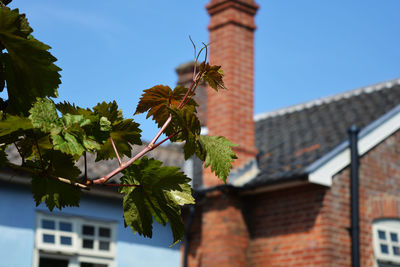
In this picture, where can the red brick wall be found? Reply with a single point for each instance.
(224, 235)
(230, 112)
(285, 227)
(308, 225)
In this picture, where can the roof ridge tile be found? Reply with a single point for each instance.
(324, 100)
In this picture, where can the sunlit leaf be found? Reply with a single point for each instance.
(156, 101)
(159, 194)
(29, 69)
(213, 75)
(216, 151)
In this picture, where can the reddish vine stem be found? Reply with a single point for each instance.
(123, 166)
(166, 139)
(116, 151)
(195, 62)
(160, 131)
(152, 145)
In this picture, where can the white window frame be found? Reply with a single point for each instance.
(388, 226)
(74, 253)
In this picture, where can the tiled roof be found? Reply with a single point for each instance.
(292, 138)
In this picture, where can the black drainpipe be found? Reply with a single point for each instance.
(354, 195)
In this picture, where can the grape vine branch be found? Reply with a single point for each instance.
(51, 137)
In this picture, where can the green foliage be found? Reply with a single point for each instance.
(24, 57)
(216, 151)
(213, 75)
(186, 121)
(54, 193)
(10, 124)
(124, 132)
(67, 133)
(44, 116)
(159, 193)
(51, 137)
(156, 101)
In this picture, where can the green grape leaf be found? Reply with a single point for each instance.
(159, 98)
(79, 120)
(105, 125)
(185, 121)
(216, 151)
(71, 134)
(54, 193)
(213, 75)
(11, 124)
(28, 58)
(67, 143)
(124, 133)
(44, 116)
(109, 110)
(68, 108)
(159, 193)
(63, 165)
(28, 146)
(100, 126)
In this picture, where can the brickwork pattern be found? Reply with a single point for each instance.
(309, 225)
(230, 112)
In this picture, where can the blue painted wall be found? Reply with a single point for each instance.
(17, 224)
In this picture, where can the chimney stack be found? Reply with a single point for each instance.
(230, 112)
(222, 238)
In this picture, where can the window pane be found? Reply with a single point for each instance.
(104, 232)
(381, 235)
(46, 262)
(48, 239)
(384, 249)
(48, 224)
(88, 230)
(393, 237)
(87, 243)
(396, 251)
(66, 240)
(88, 264)
(104, 245)
(66, 226)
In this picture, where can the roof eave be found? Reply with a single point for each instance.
(322, 170)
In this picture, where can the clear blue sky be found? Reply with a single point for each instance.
(304, 49)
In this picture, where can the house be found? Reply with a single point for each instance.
(88, 236)
(287, 202)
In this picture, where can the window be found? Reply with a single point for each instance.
(386, 237)
(74, 241)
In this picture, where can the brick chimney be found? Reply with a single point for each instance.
(230, 112)
(221, 237)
